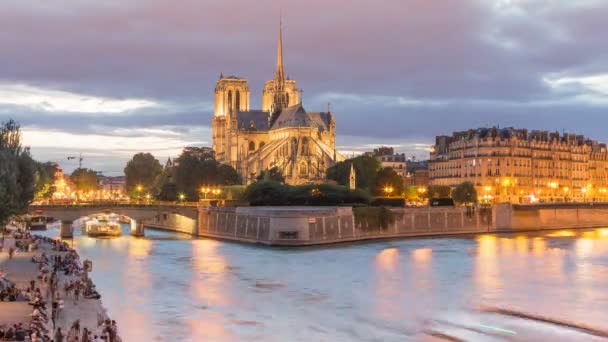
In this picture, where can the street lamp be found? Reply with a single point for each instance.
(584, 191)
(388, 190)
(182, 197)
(148, 198)
(205, 191)
(139, 188)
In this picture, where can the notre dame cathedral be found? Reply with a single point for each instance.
(282, 134)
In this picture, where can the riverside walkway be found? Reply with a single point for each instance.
(21, 269)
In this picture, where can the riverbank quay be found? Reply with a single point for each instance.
(51, 286)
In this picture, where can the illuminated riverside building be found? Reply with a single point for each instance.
(521, 166)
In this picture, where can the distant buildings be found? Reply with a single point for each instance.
(521, 166)
(417, 173)
(113, 187)
(388, 158)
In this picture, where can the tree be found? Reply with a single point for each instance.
(227, 175)
(196, 166)
(387, 177)
(274, 174)
(85, 180)
(365, 167)
(17, 173)
(439, 191)
(45, 178)
(412, 194)
(143, 169)
(465, 193)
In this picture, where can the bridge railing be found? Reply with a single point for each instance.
(121, 204)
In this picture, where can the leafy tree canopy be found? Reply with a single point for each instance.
(439, 191)
(84, 180)
(17, 173)
(387, 177)
(197, 167)
(45, 178)
(465, 193)
(365, 167)
(143, 169)
(274, 174)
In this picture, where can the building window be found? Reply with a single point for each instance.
(238, 101)
(251, 146)
(303, 170)
(230, 101)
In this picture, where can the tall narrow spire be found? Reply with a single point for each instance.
(280, 73)
(280, 98)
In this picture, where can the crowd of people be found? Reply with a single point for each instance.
(61, 270)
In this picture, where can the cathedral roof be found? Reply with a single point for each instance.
(296, 116)
(256, 119)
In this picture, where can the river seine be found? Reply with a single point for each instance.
(170, 287)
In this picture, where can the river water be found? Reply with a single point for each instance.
(170, 287)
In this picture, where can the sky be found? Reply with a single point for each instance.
(112, 78)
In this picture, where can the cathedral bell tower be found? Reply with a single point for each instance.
(231, 97)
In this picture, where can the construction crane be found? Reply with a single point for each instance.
(80, 158)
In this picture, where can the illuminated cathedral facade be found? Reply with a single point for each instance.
(282, 134)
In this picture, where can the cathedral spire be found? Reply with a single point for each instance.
(280, 72)
(280, 99)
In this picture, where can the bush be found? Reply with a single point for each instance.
(373, 218)
(269, 193)
(388, 202)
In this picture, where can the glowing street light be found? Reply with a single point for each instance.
(584, 191)
(388, 190)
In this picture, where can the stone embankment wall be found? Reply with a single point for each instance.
(551, 216)
(289, 226)
(293, 226)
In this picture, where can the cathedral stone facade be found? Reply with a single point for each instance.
(282, 134)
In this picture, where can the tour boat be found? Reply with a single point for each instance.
(37, 223)
(102, 228)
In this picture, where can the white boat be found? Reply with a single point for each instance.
(102, 227)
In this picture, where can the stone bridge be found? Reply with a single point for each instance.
(138, 213)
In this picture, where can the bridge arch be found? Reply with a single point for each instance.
(139, 214)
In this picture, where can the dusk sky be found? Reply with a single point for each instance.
(111, 78)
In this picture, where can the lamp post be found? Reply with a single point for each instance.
(181, 197)
(584, 191)
(388, 190)
(139, 188)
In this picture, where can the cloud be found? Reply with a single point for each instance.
(399, 72)
(57, 101)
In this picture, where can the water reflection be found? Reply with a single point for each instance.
(209, 290)
(167, 287)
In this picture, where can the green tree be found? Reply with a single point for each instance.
(227, 175)
(387, 177)
(365, 167)
(412, 194)
(465, 193)
(143, 169)
(84, 180)
(17, 173)
(45, 178)
(439, 191)
(196, 167)
(274, 174)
